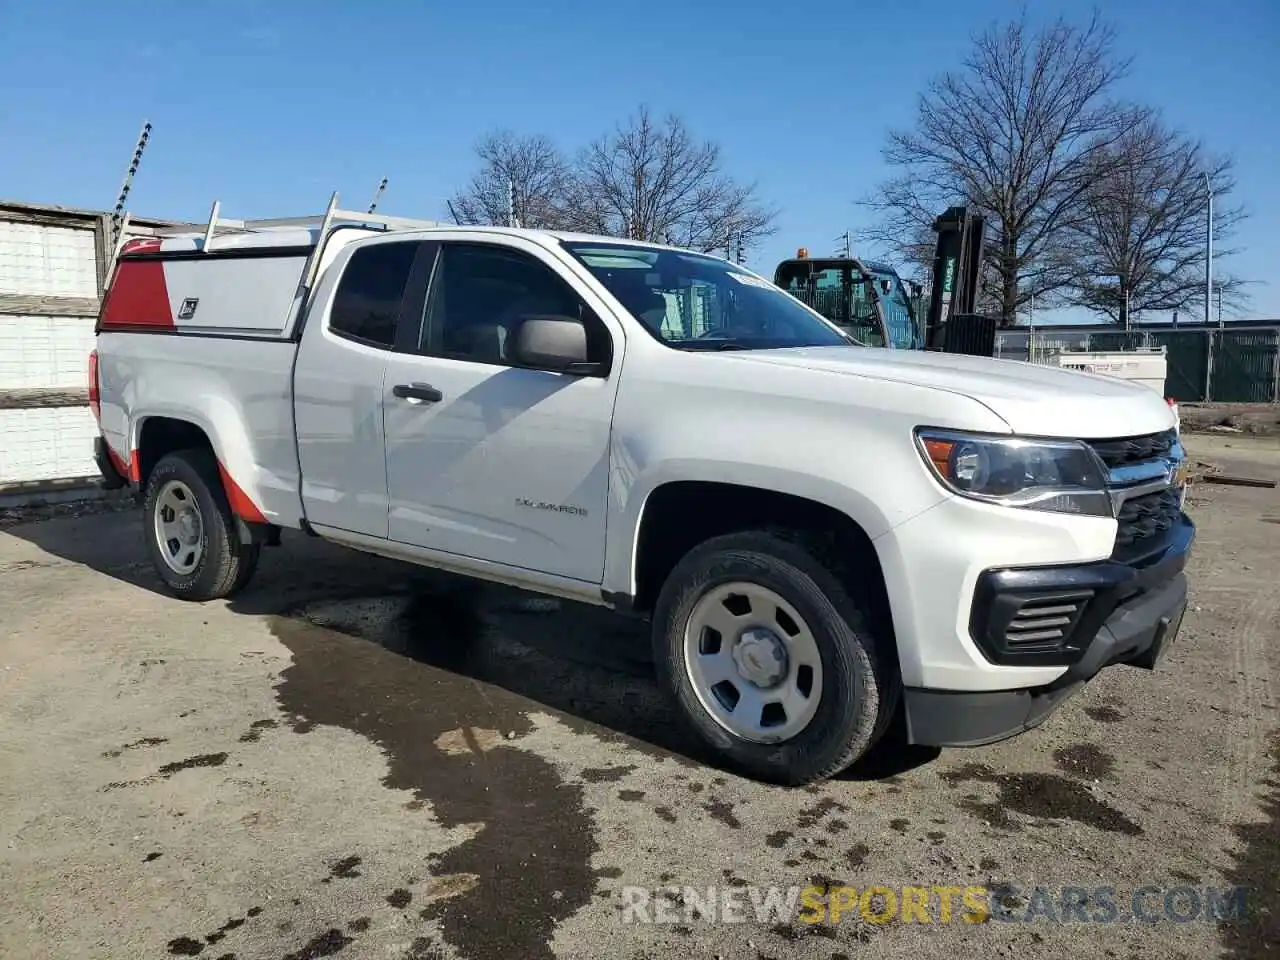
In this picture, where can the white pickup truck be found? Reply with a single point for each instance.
(824, 536)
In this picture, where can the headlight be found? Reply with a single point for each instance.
(1060, 476)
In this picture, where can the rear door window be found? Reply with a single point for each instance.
(369, 300)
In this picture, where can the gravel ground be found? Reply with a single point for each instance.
(360, 759)
(1259, 419)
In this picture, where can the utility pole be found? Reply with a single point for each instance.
(1208, 250)
(847, 237)
(1208, 288)
(125, 187)
(511, 204)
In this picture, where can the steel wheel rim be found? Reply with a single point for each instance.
(179, 527)
(753, 662)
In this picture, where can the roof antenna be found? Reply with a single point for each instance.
(141, 145)
(377, 195)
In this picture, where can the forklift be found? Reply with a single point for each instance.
(866, 299)
(871, 302)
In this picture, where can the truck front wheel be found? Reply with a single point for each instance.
(769, 659)
(191, 532)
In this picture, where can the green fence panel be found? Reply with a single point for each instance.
(1187, 361)
(1244, 367)
(1119, 340)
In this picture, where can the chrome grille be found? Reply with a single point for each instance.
(1143, 521)
(1126, 451)
(1145, 494)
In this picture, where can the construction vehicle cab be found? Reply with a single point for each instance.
(866, 299)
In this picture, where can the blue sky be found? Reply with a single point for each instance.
(270, 106)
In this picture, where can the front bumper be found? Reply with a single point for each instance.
(1133, 615)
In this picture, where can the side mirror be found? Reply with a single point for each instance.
(553, 343)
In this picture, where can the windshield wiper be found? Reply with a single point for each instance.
(708, 345)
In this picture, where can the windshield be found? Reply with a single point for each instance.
(904, 331)
(694, 302)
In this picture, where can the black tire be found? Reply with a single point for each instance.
(860, 686)
(226, 563)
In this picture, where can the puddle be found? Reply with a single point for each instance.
(344, 869)
(324, 944)
(857, 854)
(531, 858)
(1104, 714)
(193, 763)
(1085, 761)
(585, 662)
(136, 744)
(778, 839)
(722, 811)
(188, 946)
(169, 769)
(1045, 796)
(811, 816)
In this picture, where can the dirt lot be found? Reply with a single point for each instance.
(1259, 419)
(355, 758)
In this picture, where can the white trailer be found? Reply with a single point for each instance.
(1148, 367)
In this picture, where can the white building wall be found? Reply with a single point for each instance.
(46, 443)
(44, 351)
(49, 293)
(44, 261)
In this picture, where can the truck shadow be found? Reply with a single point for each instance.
(583, 663)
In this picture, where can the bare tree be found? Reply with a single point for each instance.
(1013, 134)
(1141, 236)
(540, 174)
(652, 180)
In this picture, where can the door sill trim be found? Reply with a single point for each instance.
(521, 578)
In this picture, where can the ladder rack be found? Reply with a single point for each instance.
(333, 215)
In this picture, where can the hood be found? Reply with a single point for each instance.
(1032, 399)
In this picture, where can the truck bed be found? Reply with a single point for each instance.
(238, 390)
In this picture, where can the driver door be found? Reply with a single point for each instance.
(487, 459)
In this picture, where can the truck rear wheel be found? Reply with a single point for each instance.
(192, 534)
(769, 659)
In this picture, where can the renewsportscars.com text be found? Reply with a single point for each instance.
(935, 903)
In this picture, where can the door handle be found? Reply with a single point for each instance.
(422, 392)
